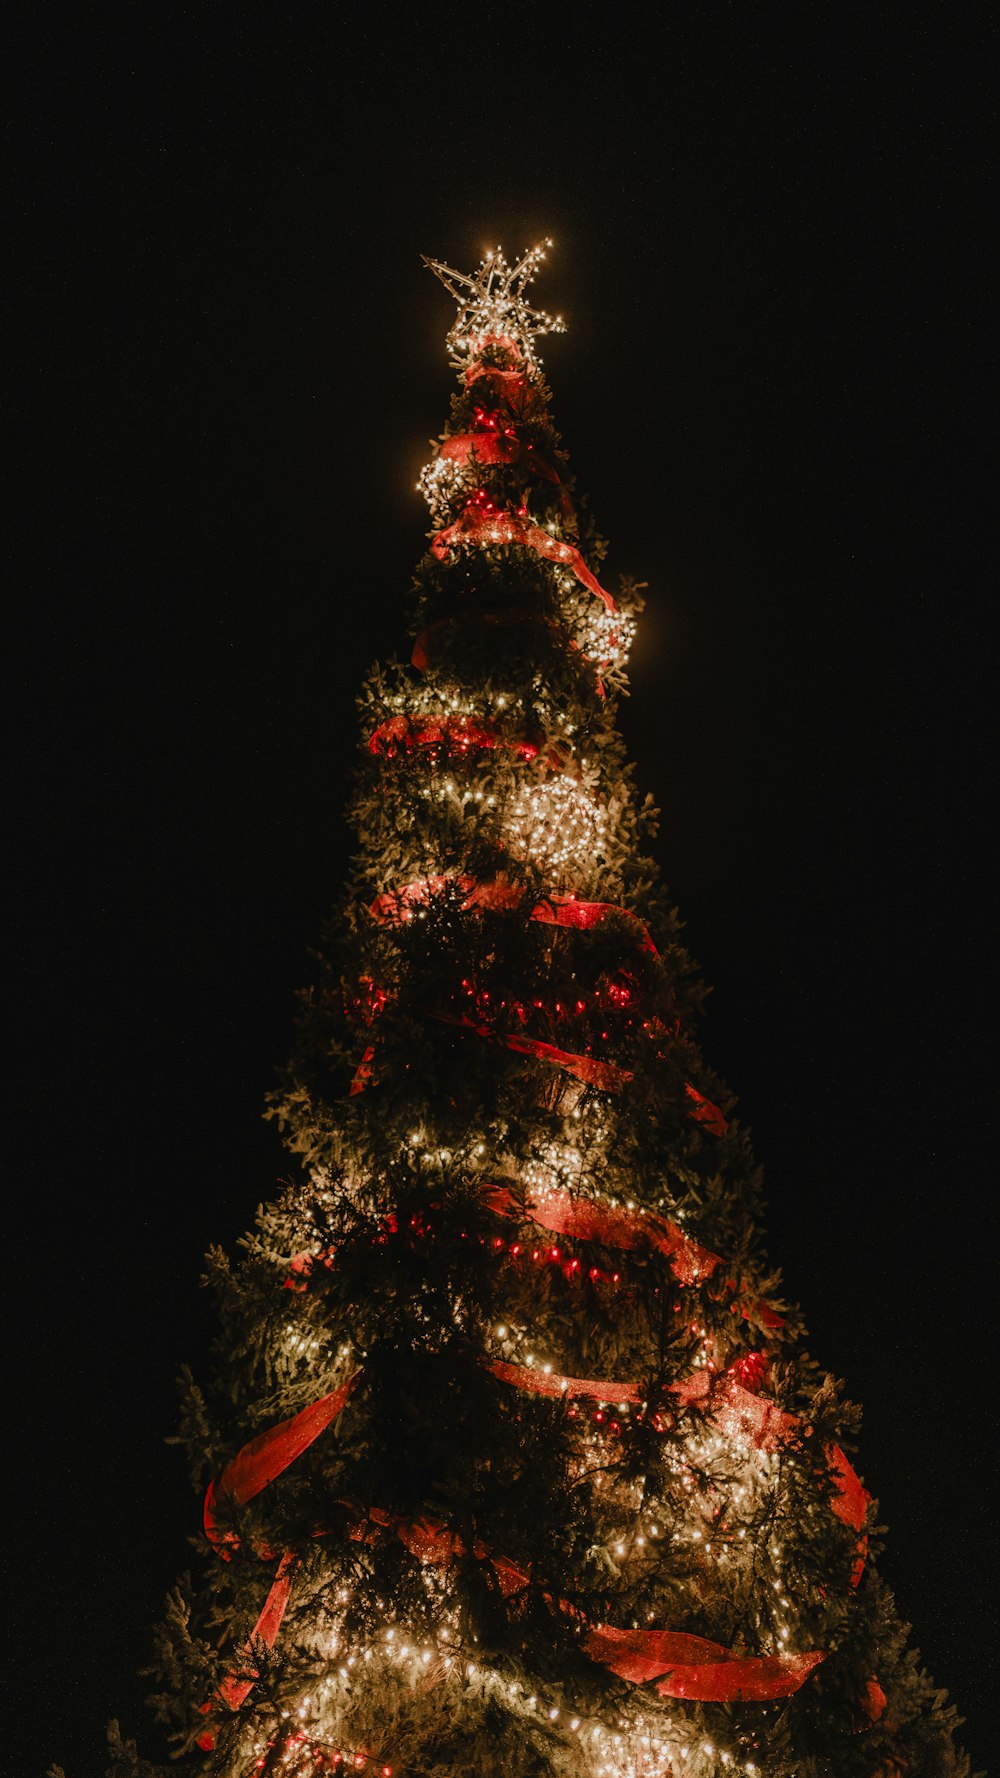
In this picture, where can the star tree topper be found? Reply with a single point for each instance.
(492, 302)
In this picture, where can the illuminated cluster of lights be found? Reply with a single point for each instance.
(446, 486)
(555, 821)
(605, 636)
(444, 700)
(641, 1743)
(491, 304)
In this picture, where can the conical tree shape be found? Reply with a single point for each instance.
(519, 1464)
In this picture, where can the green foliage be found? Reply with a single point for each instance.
(126, 1761)
(493, 775)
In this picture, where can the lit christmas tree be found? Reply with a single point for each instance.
(519, 1465)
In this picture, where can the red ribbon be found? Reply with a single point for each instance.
(266, 1456)
(560, 1213)
(583, 1220)
(233, 1691)
(482, 523)
(494, 446)
(364, 1073)
(606, 1076)
(690, 1667)
(736, 1411)
(705, 1112)
(513, 387)
(248, 1473)
(556, 910)
(684, 1666)
(566, 910)
(539, 1382)
(459, 734)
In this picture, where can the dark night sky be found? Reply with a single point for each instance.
(228, 362)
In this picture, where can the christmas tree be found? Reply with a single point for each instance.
(519, 1465)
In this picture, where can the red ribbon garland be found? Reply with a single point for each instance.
(694, 1668)
(557, 910)
(737, 1411)
(685, 1666)
(521, 396)
(233, 1691)
(607, 1077)
(459, 734)
(266, 1456)
(539, 1382)
(583, 1220)
(562, 1214)
(492, 446)
(393, 907)
(483, 523)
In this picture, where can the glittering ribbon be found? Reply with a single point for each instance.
(482, 523)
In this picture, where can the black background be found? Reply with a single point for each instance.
(228, 362)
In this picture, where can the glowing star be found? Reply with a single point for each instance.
(492, 303)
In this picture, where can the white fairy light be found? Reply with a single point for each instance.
(555, 821)
(491, 303)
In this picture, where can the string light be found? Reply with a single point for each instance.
(708, 1492)
(491, 304)
(557, 821)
